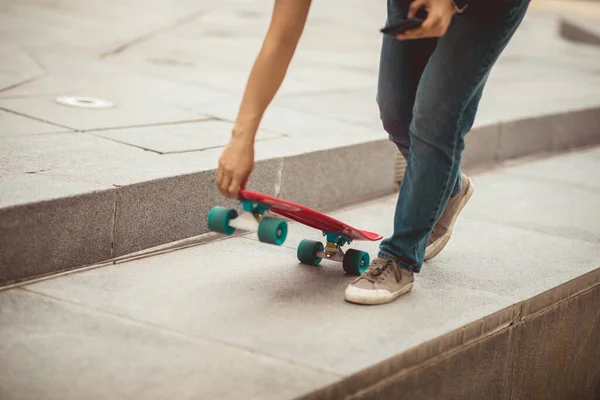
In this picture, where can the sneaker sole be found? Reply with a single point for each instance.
(372, 297)
(436, 247)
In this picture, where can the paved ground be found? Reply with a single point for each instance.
(239, 319)
(235, 318)
(172, 68)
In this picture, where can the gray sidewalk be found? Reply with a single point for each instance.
(109, 182)
(238, 319)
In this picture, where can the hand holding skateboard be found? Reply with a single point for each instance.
(235, 166)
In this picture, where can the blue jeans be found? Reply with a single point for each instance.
(428, 94)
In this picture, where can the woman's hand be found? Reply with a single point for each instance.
(439, 15)
(235, 166)
(269, 69)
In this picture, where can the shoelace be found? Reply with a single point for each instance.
(375, 272)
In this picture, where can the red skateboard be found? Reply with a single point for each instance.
(274, 230)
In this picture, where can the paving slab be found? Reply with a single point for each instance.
(97, 355)
(33, 188)
(577, 168)
(70, 151)
(537, 205)
(274, 304)
(58, 26)
(146, 168)
(12, 124)
(132, 110)
(179, 138)
(16, 66)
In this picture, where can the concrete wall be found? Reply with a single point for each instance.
(547, 348)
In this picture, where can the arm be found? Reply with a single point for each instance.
(269, 69)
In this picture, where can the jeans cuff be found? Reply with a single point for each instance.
(412, 268)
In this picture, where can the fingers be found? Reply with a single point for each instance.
(425, 30)
(225, 184)
(230, 183)
(234, 187)
(219, 176)
(414, 7)
(433, 26)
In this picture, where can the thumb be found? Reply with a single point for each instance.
(415, 6)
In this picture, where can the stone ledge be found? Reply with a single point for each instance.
(160, 211)
(546, 347)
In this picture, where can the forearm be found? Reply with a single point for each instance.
(270, 67)
(264, 81)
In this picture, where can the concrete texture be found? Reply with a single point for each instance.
(66, 152)
(179, 138)
(463, 375)
(277, 305)
(481, 266)
(577, 169)
(16, 66)
(132, 111)
(49, 236)
(358, 177)
(546, 134)
(97, 355)
(150, 214)
(481, 147)
(559, 350)
(170, 69)
(514, 362)
(537, 205)
(466, 330)
(36, 188)
(16, 125)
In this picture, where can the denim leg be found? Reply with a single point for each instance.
(400, 69)
(445, 106)
(470, 112)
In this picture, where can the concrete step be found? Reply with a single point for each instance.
(80, 187)
(507, 311)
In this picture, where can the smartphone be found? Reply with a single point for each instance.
(402, 26)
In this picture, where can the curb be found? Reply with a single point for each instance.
(54, 236)
(493, 357)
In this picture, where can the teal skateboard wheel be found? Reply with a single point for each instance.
(272, 230)
(356, 262)
(307, 252)
(218, 220)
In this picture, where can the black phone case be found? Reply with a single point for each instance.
(402, 26)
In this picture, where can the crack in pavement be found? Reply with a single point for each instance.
(152, 34)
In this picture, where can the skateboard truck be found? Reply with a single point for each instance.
(333, 247)
(311, 252)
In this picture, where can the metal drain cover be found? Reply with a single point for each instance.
(84, 102)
